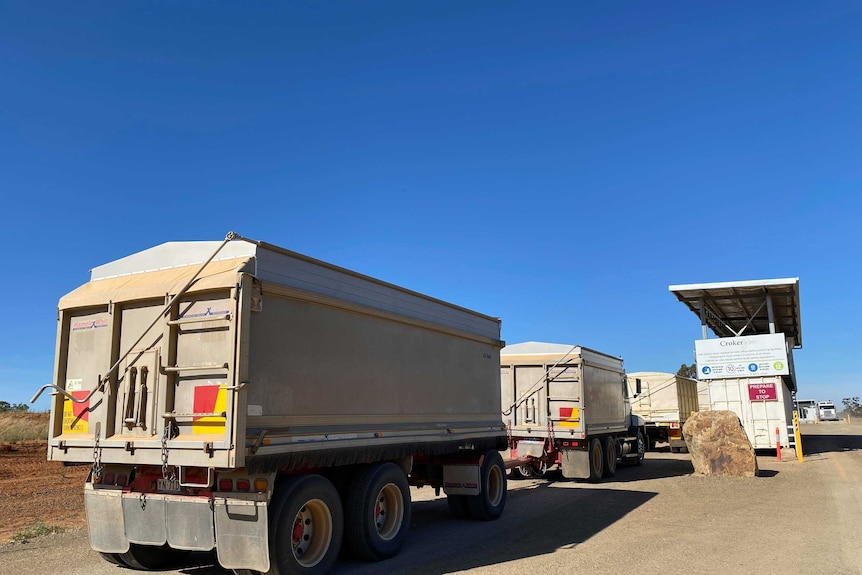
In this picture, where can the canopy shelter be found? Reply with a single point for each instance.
(733, 309)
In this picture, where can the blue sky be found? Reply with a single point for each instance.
(556, 165)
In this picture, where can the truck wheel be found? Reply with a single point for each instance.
(458, 506)
(597, 459)
(113, 558)
(610, 449)
(522, 472)
(306, 528)
(641, 450)
(377, 512)
(491, 500)
(150, 558)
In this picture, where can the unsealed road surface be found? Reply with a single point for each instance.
(657, 518)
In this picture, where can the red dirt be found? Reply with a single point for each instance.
(33, 489)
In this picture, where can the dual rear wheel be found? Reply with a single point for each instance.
(310, 522)
(489, 503)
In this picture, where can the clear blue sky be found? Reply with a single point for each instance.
(556, 165)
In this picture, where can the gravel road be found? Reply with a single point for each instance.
(658, 518)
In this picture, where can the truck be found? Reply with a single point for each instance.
(827, 411)
(665, 402)
(239, 397)
(567, 408)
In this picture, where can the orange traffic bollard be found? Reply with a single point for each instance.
(777, 444)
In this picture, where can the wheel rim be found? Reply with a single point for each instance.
(597, 458)
(540, 470)
(388, 511)
(641, 447)
(612, 454)
(312, 533)
(495, 485)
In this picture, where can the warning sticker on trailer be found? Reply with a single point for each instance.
(570, 417)
(209, 399)
(76, 416)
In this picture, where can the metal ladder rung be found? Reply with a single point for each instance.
(176, 415)
(177, 368)
(183, 320)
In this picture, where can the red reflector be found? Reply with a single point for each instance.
(574, 444)
(243, 484)
(109, 478)
(225, 485)
(121, 479)
(565, 444)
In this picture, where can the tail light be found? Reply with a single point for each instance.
(225, 484)
(243, 484)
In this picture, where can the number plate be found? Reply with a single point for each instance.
(169, 485)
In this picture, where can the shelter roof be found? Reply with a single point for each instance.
(732, 309)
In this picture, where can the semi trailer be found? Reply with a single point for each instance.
(665, 402)
(567, 407)
(239, 397)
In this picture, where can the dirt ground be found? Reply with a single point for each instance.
(793, 518)
(33, 489)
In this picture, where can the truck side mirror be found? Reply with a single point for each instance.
(637, 386)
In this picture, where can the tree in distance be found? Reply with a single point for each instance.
(689, 371)
(852, 406)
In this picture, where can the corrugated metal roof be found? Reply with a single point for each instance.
(739, 308)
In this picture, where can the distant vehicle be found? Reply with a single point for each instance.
(807, 411)
(827, 411)
(567, 407)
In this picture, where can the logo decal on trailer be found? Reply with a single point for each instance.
(209, 399)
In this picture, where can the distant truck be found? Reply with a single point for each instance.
(827, 411)
(567, 407)
(665, 402)
(244, 398)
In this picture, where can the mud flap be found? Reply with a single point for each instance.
(190, 524)
(575, 464)
(144, 519)
(105, 520)
(242, 532)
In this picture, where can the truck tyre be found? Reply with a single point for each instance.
(150, 558)
(306, 527)
(377, 512)
(522, 471)
(641, 449)
(491, 500)
(597, 459)
(458, 506)
(609, 446)
(113, 558)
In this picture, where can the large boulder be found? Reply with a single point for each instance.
(718, 444)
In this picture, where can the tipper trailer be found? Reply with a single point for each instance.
(244, 398)
(567, 407)
(665, 402)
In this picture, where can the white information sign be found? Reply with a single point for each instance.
(746, 356)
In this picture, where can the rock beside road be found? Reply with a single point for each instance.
(718, 445)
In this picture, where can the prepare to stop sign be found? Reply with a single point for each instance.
(762, 391)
